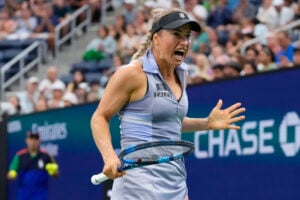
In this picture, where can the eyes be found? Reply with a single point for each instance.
(180, 34)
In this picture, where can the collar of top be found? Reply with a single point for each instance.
(150, 65)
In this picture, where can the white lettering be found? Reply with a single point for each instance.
(232, 143)
(50, 132)
(265, 136)
(14, 126)
(215, 141)
(52, 149)
(249, 138)
(197, 138)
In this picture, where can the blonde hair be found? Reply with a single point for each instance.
(156, 14)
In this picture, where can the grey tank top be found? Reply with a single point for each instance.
(158, 115)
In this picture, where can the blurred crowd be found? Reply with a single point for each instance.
(217, 53)
(37, 19)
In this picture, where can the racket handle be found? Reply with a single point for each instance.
(98, 178)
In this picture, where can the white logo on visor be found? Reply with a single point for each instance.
(181, 15)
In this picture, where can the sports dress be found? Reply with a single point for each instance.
(157, 116)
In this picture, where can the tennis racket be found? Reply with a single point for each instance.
(149, 153)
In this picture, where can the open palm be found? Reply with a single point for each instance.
(219, 119)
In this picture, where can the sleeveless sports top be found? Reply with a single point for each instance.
(158, 115)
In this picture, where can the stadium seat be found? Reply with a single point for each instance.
(85, 66)
(92, 77)
(66, 78)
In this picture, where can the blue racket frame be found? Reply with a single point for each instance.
(134, 163)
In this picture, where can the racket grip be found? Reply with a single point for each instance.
(98, 178)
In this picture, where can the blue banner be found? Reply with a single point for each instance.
(260, 161)
(66, 134)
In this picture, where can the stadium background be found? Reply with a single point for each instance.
(267, 171)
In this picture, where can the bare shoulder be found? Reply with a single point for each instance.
(131, 80)
(132, 72)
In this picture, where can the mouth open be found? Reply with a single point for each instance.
(179, 54)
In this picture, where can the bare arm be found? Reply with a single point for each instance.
(124, 86)
(218, 119)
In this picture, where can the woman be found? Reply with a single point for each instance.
(103, 43)
(266, 60)
(147, 116)
(78, 77)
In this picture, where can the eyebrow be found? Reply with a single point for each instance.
(178, 31)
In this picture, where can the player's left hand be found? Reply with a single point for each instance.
(219, 119)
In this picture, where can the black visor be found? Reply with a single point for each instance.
(174, 20)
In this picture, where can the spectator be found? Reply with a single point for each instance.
(232, 69)
(15, 5)
(266, 60)
(248, 68)
(285, 56)
(11, 107)
(296, 8)
(103, 43)
(129, 11)
(141, 23)
(213, 37)
(92, 97)
(251, 54)
(129, 42)
(82, 92)
(78, 77)
(195, 11)
(95, 6)
(218, 73)
(30, 95)
(200, 42)
(8, 25)
(58, 90)
(296, 56)
(26, 23)
(46, 25)
(220, 16)
(149, 5)
(97, 89)
(6, 109)
(70, 99)
(260, 30)
(218, 56)
(45, 86)
(203, 67)
(244, 10)
(284, 15)
(61, 10)
(15, 101)
(220, 19)
(273, 43)
(267, 13)
(118, 28)
(41, 104)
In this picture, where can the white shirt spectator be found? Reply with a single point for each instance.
(46, 86)
(284, 15)
(200, 12)
(267, 15)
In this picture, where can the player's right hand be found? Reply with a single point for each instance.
(110, 168)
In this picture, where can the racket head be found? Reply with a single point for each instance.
(154, 153)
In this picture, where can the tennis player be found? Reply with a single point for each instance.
(149, 95)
